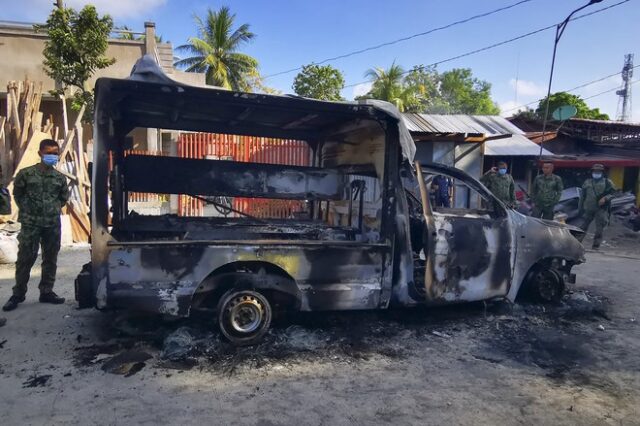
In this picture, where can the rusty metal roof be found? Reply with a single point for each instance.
(486, 126)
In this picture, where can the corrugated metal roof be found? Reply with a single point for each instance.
(485, 125)
(516, 145)
(489, 125)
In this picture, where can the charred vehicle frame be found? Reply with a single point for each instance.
(346, 251)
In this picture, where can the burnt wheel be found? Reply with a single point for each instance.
(546, 285)
(244, 316)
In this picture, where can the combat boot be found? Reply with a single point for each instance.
(12, 303)
(52, 298)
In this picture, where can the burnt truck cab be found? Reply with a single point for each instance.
(366, 234)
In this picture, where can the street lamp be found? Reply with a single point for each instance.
(559, 31)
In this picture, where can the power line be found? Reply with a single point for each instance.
(400, 40)
(573, 89)
(608, 91)
(492, 46)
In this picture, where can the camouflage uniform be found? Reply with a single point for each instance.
(592, 191)
(545, 193)
(502, 186)
(39, 193)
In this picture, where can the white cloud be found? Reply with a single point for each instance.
(119, 8)
(361, 89)
(527, 88)
(509, 108)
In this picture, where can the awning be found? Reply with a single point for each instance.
(516, 145)
(501, 138)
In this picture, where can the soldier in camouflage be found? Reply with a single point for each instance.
(40, 192)
(545, 192)
(501, 184)
(595, 202)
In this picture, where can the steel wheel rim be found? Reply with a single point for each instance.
(548, 284)
(245, 314)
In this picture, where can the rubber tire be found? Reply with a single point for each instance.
(538, 294)
(232, 335)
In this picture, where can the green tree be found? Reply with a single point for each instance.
(319, 82)
(426, 82)
(75, 50)
(563, 98)
(389, 85)
(465, 94)
(215, 51)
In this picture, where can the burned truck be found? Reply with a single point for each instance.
(367, 235)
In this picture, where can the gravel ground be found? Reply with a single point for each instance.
(574, 363)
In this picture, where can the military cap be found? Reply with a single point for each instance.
(599, 167)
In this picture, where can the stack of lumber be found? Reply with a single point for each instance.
(21, 132)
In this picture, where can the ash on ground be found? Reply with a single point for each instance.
(552, 338)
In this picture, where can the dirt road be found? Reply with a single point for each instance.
(576, 363)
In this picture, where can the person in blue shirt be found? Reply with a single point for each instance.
(442, 191)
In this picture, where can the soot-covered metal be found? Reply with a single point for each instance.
(337, 254)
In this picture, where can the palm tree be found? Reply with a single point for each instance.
(126, 34)
(388, 85)
(215, 51)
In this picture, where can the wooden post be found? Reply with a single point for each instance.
(65, 118)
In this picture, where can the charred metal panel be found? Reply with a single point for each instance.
(215, 177)
(539, 239)
(163, 277)
(472, 258)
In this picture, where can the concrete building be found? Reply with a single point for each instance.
(21, 52)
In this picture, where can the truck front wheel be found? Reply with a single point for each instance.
(244, 316)
(545, 284)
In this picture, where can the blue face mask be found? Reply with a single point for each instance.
(50, 159)
(596, 175)
(502, 171)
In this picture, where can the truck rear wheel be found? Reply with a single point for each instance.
(244, 316)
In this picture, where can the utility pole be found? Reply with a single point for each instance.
(59, 4)
(559, 31)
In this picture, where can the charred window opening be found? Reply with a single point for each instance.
(236, 187)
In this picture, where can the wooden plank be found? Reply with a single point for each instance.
(82, 227)
(15, 117)
(3, 165)
(27, 114)
(37, 115)
(80, 152)
(65, 118)
(73, 178)
(66, 146)
(66, 237)
(80, 177)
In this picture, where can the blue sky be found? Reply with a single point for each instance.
(291, 33)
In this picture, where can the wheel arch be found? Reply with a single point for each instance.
(559, 264)
(269, 278)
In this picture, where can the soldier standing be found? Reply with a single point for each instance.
(501, 184)
(595, 201)
(40, 192)
(546, 192)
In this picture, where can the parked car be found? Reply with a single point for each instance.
(368, 237)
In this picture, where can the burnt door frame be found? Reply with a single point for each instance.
(466, 258)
